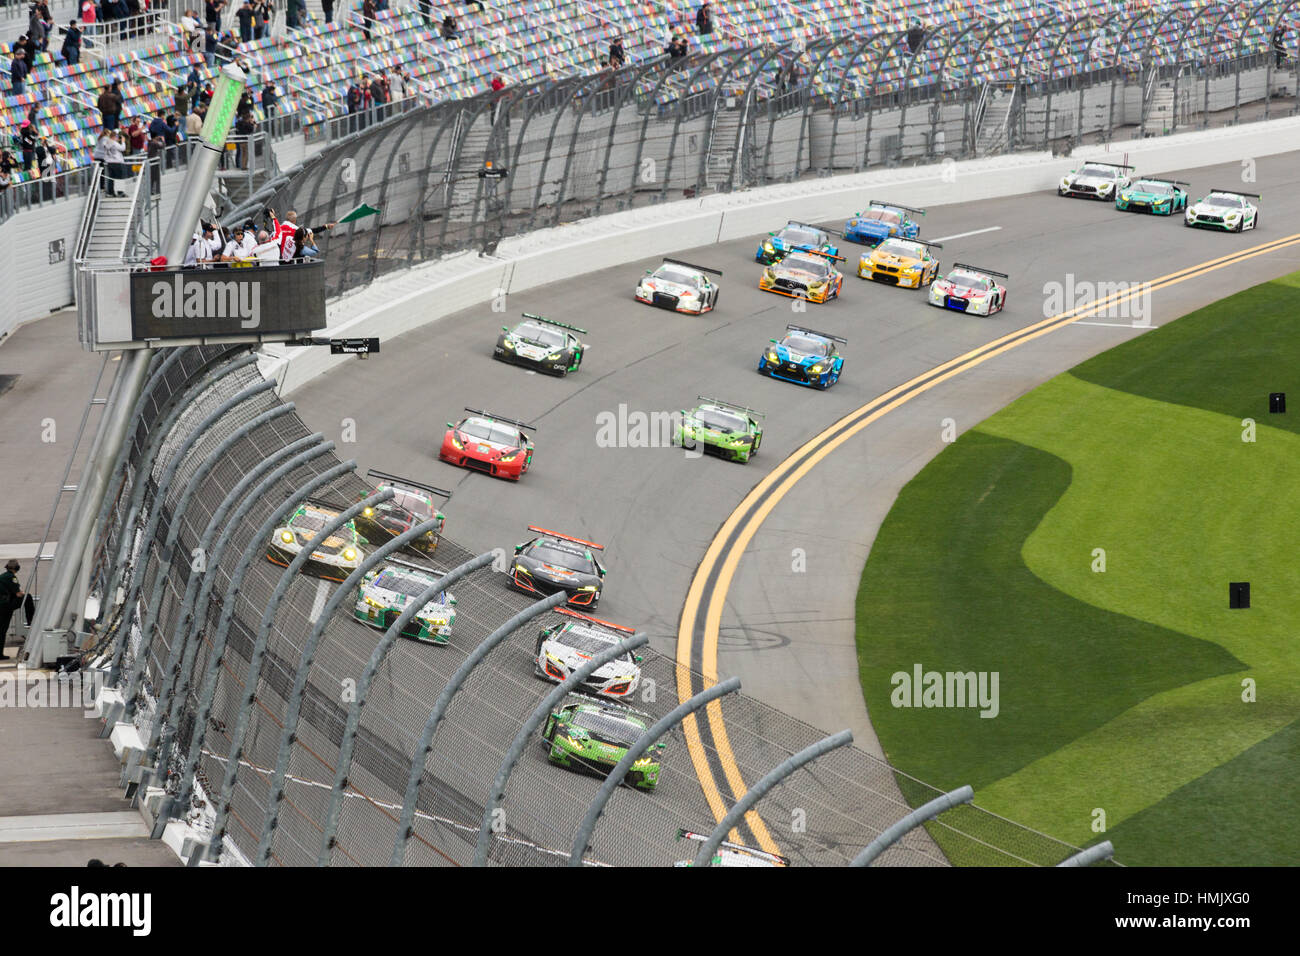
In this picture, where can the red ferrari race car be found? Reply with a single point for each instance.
(488, 443)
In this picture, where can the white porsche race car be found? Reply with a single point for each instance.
(679, 286)
(1224, 209)
(564, 648)
(1095, 181)
(970, 289)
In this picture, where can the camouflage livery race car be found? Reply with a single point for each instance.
(489, 443)
(720, 428)
(588, 734)
(904, 262)
(333, 559)
(880, 221)
(804, 357)
(385, 591)
(804, 275)
(412, 504)
(732, 854)
(1095, 180)
(542, 344)
(970, 289)
(794, 237)
(1224, 209)
(679, 286)
(1163, 197)
(557, 562)
(562, 649)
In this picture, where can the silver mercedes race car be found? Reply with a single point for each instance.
(564, 648)
(679, 286)
(1095, 181)
(1224, 209)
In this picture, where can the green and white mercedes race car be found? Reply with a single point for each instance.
(593, 735)
(1224, 209)
(720, 428)
(385, 592)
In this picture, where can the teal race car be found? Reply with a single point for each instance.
(794, 237)
(593, 735)
(385, 592)
(720, 428)
(1161, 197)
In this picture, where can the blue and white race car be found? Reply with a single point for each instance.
(882, 220)
(805, 357)
(1224, 209)
(794, 237)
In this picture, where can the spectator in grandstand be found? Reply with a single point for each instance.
(190, 28)
(108, 151)
(262, 23)
(211, 43)
(305, 242)
(205, 247)
(245, 127)
(36, 31)
(677, 47)
(194, 122)
(704, 19)
(88, 11)
(449, 29)
(8, 164)
(71, 51)
(327, 8)
(18, 71)
(382, 94)
(137, 137)
(270, 99)
(368, 12)
(27, 143)
(212, 10)
(295, 12)
(1279, 44)
(6, 180)
(915, 37)
(404, 86)
(245, 15)
(617, 57)
(425, 13)
(181, 101)
(301, 243)
(238, 250)
(110, 105)
(267, 250)
(155, 151)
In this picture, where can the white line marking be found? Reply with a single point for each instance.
(72, 826)
(1119, 325)
(26, 550)
(963, 235)
(322, 590)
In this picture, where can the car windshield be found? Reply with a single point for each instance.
(490, 431)
(723, 421)
(539, 334)
(586, 642)
(608, 728)
(806, 344)
(676, 275)
(968, 279)
(563, 558)
(817, 267)
(406, 501)
(1227, 202)
(1155, 189)
(895, 248)
(309, 521)
(1101, 172)
(403, 583)
(800, 237)
(883, 215)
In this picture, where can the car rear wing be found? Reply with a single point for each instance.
(824, 255)
(691, 265)
(396, 481)
(562, 325)
(1234, 192)
(578, 698)
(566, 537)
(739, 408)
(808, 225)
(824, 335)
(1097, 162)
(595, 620)
(775, 858)
(932, 245)
(498, 418)
(893, 205)
(980, 269)
(335, 505)
(424, 568)
(1157, 179)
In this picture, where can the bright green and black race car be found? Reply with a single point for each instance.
(589, 734)
(1163, 197)
(720, 428)
(542, 344)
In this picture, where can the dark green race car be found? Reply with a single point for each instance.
(1162, 197)
(542, 344)
(720, 428)
(589, 734)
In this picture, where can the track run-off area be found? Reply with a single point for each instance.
(753, 570)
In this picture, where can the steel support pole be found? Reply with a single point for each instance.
(405, 829)
(539, 714)
(290, 732)
(896, 831)
(236, 752)
(344, 763)
(778, 773)
(1094, 854)
(582, 839)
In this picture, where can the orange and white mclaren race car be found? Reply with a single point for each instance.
(804, 275)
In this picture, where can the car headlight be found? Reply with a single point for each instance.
(510, 457)
(349, 554)
(1105, 187)
(589, 587)
(1065, 181)
(772, 357)
(815, 368)
(371, 601)
(1232, 215)
(286, 537)
(769, 273)
(643, 762)
(768, 247)
(455, 441)
(520, 569)
(507, 344)
(553, 357)
(573, 741)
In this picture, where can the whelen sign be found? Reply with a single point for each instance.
(159, 307)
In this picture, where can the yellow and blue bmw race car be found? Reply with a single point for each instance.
(906, 262)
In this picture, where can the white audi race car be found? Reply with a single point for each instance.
(1095, 181)
(679, 286)
(564, 648)
(971, 289)
(1224, 209)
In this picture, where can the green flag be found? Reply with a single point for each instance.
(359, 213)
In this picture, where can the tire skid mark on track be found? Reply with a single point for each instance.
(697, 659)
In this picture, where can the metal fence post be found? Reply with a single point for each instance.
(778, 773)
(896, 831)
(289, 735)
(404, 823)
(223, 802)
(344, 763)
(542, 711)
(582, 838)
(1094, 854)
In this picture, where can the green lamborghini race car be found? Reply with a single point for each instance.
(541, 344)
(589, 734)
(720, 428)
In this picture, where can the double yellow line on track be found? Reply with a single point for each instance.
(697, 653)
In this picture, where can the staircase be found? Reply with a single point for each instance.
(991, 136)
(110, 229)
(722, 145)
(471, 149)
(1160, 110)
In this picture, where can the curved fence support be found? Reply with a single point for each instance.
(289, 734)
(896, 831)
(226, 797)
(1094, 854)
(582, 839)
(543, 710)
(405, 829)
(755, 793)
(344, 763)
